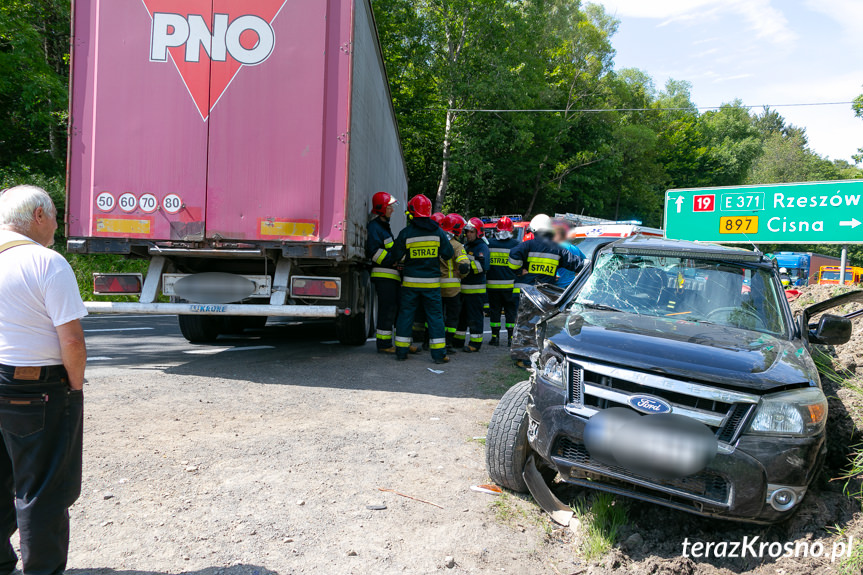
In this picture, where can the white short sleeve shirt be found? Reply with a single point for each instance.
(38, 292)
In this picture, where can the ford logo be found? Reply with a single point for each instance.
(648, 404)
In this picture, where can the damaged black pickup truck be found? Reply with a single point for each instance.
(671, 372)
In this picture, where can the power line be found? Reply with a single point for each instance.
(599, 110)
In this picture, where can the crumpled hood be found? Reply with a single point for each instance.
(703, 352)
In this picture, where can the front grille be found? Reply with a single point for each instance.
(594, 387)
(706, 486)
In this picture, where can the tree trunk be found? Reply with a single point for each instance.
(447, 142)
(529, 209)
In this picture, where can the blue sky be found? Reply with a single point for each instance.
(761, 51)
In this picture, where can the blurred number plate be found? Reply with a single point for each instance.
(738, 225)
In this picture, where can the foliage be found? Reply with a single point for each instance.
(601, 522)
(605, 142)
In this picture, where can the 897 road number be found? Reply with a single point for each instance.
(738, 225)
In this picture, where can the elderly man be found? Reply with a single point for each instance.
(42, 357)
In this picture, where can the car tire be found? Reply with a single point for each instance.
(506, 445)
(201, 328)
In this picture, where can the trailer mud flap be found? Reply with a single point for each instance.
(559, 512)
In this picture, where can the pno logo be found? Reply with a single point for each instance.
(210, 40)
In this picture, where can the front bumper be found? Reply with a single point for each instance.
(734, 486)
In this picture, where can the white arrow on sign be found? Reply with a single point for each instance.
(679, 202)
(853, 222)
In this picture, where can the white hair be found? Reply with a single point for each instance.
(18, 203)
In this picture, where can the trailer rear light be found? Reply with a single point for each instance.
(314, 287)
(116, 284)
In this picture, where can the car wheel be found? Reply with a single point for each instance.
(506, 446)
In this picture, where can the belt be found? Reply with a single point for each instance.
(44, 373)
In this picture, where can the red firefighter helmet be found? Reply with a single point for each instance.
(420, 207)
(505, 224)
(380, 202)
(438, 218)
(476, 224)
(454, 224)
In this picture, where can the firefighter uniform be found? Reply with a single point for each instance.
(421, 244)
(386, 280)
(452, 270)
(473, 290)
(540, 257)
(501, 281)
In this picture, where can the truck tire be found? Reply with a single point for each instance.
(354, 329)
(506, 446)
(236, 324)
(201, 328)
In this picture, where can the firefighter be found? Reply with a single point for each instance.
(501, 280)
(452, 270)
(537, 260)
(421, 243)
(473, 288)
(420, 328)
(385, 278)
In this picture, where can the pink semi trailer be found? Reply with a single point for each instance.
(236, 145)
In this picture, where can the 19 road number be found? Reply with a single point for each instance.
(738, 225)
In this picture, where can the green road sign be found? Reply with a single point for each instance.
(806, 213)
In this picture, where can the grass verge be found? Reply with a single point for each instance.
(601, 521)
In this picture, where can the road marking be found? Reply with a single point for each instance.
(212, 350)
(99, 358)
(853, 222)
(118, 329)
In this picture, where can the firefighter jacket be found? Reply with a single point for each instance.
(500, 275)
(453, 269)
(422, 244)
(474, 282)
(541, 257)
(379, 243)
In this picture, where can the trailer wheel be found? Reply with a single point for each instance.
(201, 328)
(506, 446)
(354, 329)
(236, 324)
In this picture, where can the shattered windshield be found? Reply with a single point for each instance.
(699, 290)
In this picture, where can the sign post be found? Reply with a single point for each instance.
(799, 213)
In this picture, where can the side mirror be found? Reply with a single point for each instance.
(831, 330)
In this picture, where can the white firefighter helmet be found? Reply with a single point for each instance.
(541, 223)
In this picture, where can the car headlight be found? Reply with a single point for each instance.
(795, 412)
(552, 367)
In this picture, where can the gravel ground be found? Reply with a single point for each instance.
(275, 465)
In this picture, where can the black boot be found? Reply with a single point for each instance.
(494, 341)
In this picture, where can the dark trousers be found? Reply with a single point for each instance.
(429, 299)
(471, 319)
(501, 300)
(451, 311)
(388, 306)
(40, 468)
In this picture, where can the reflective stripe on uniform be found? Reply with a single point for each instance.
(477, 267)
(460, 334)
(387, 273)
(450, 282)
(476, 339)
(461, 258)
(544, 255)
(379, 256)
(510, 325)
(384, 334)
(438, 343)
(449, 329)
(403, 341)
(500, 284)
(493, 324)
(421, 282)
(472, 288)
(515, 264)
(388, 243)
(432, 240)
